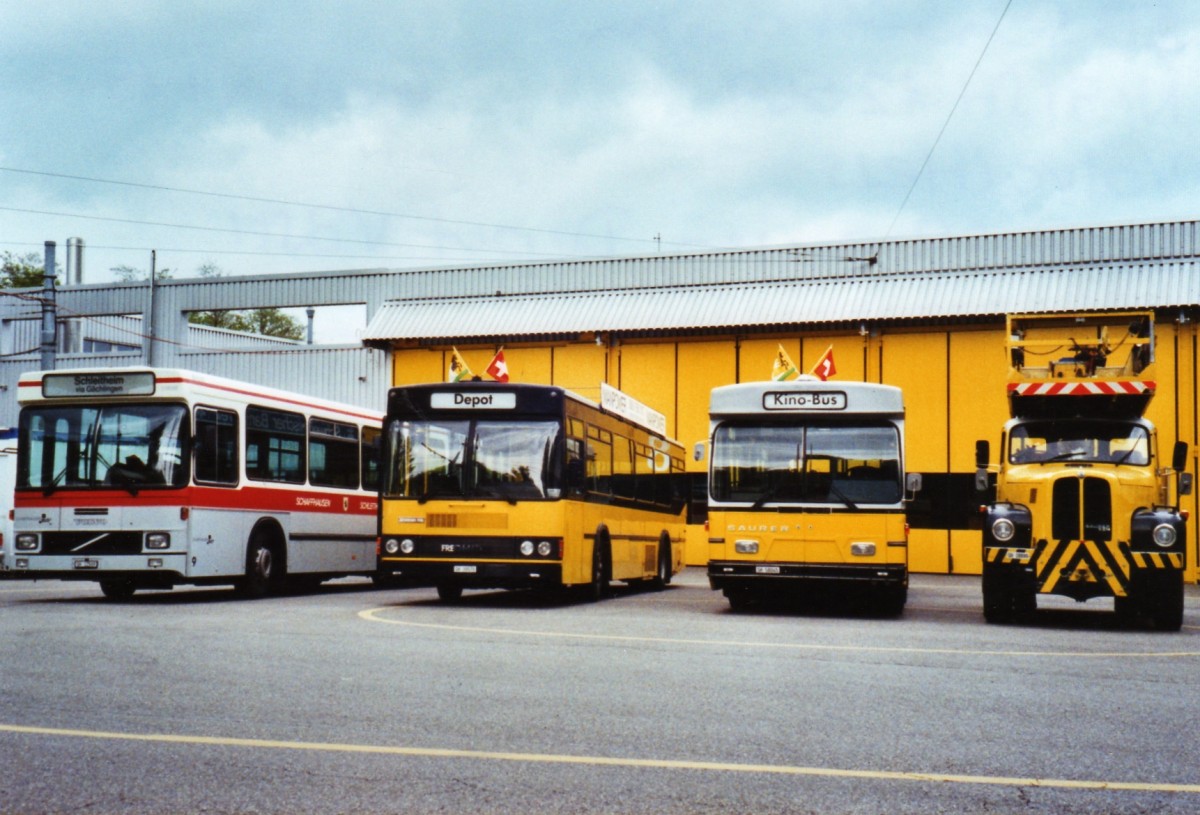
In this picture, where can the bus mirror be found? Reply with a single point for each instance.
(983, 452)
(1185, 483)
(1179, 459)
(698, 451)
(912, 483)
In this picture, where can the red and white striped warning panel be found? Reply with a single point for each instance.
(1094, 388)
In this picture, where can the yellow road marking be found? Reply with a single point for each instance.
(372, 615)
(608, 761)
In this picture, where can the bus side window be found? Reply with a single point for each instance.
(599, 461)
(215, 452)
(623, 480)
(332, 454)
(275, 445)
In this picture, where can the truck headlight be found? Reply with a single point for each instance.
(1003, 530)
(1164, 535)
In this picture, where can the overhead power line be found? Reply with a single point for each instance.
(334, 208)
(946, 123)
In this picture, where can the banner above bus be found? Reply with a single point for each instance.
(625, 406)
(122, 383)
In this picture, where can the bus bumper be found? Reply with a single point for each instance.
(735, 575)
(476, 575)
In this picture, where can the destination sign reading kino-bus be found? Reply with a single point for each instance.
(804, 400)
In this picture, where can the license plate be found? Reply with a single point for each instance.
(86, 563)
(766, 570)
(464, 570)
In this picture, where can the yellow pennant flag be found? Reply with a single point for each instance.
(458, 367)
(784, 368)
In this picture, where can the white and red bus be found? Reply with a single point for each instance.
(141, 478)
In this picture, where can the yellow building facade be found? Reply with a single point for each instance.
(953, 373)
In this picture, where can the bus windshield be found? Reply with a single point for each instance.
(510, 460)
(789, 463)
(1047, 441)
(123, 446)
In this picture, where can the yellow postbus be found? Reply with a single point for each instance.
(807, 491)
(491, 485)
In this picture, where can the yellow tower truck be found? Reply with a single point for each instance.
(1084, 506)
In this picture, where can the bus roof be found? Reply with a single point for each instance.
(527, 397)
(141, 381)
(807, 396)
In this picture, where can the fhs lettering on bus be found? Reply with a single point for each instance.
(804, 400)
(459, 400)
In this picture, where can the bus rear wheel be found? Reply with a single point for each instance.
(662, 576)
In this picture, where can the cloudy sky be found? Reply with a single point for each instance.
(306, 136)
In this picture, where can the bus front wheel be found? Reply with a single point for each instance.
(598, 589)
(264, 568)
(119, 588)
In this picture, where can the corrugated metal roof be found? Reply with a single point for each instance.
(875, 297)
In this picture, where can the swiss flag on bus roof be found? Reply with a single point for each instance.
(825, 367)
(497, 369)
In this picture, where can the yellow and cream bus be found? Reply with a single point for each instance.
(807, 491)
(490, 485)
(148, 478)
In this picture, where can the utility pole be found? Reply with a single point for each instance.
(49, 309)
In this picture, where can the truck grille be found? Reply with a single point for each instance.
(1096, 514)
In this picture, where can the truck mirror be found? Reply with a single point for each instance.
(1185, 483)
(698, 451)
(912, 482)
(981, 480)
(1179, 459)
(983, 452)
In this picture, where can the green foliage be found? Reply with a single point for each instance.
(270, 322)
(22, 271)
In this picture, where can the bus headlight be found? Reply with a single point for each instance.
(1164, 535)
(1003, 530)
(158, 540)
(745, 547)
(527, 548)
(862, 549)
(391, 546)
(407, 547)
(545, 548)
(26, 541)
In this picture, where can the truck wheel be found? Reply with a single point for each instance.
(1167, 609)
(998, 602)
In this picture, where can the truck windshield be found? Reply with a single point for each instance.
(510, 460)
(126, 447)
(785, 463)
(1113, 442)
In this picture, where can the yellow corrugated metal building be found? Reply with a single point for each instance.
(925, 315)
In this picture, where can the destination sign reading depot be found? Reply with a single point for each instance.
(804, 400)
(481, 400)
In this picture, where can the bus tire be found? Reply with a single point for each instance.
(264, 566)
(662, 577)
(449, 592)
(118, 588)
(598, 589)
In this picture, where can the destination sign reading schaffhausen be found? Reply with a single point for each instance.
(804, 400)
